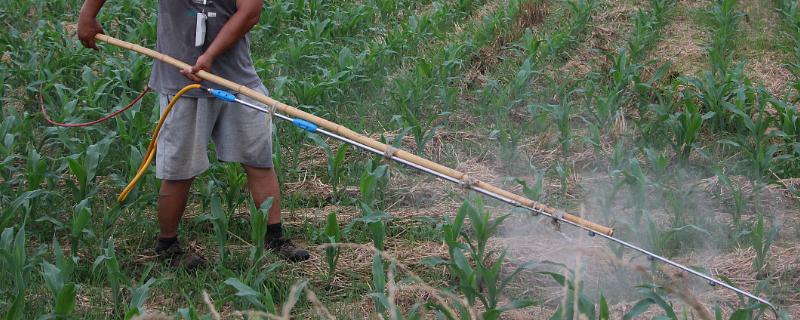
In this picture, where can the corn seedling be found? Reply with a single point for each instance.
(685, 128)
(219, 220)
(423, 130)
(756, 142)
(258, 227)
(80, 225)
(336, 167)
(63, 290)
(253, 291)
(84, 167)
(117, 280)
(652, 296)
(17, 262)
(138, 296)
(574, 304)
(533, 192)
(36, 169)
(332, 235)
(480, 280)
(761, 239)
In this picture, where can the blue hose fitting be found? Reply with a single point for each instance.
(305, 125)
(222, 95)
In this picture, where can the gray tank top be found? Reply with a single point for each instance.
(176, 38)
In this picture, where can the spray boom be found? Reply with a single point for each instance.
(314, 124)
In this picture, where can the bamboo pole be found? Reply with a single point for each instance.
(352, 135)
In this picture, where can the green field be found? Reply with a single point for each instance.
(676, 122)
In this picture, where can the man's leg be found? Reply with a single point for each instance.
(263, 183)
(171, 205)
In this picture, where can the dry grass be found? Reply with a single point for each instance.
(608, 28)
(683, 42)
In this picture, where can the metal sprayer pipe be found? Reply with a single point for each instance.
(650, 255)
(352, 135)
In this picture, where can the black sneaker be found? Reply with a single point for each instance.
(288, 250)
(177, 257)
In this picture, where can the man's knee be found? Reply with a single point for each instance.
(256, 171)
(174, 187)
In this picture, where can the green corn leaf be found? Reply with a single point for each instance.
(65, 301)
(246, 292)
(17, 307)
(517, 304)
(139, 296)
(605, 314)
(52, 277)
(460, 261)
(639, 308)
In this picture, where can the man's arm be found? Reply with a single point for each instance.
(87, 22)
(246, 17)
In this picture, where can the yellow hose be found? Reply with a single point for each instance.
(151, 149)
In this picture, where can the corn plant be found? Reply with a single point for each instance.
(756, 142)
(58, 279)
(336, 168)
(761, 239)
(581, 11)
(117, 280)
(481, 280)
(423, 130)
(561, 113)
(252, 289)
(258, 227)
(533, 192)
(21, 207)
(138, 296)
(80, 225)
(652, 296)
(724, 19)
(684, 127)
(219, 220)
(7, 142)
(372, 181)
(788, 122)
(35, 169)
(233, 183)
(84, 167)
(740, 201)
(575, 297)
(332, 235)
(17, 262)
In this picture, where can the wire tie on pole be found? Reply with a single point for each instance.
(388, 155)
(467, 181)
(557, 216)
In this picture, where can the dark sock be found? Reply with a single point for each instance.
(274, 231)
(164, 243)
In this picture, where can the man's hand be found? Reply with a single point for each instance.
(203, 63)
(88, 27)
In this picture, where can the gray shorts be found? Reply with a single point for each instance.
(240, 134)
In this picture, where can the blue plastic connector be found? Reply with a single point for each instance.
(305, 125)
(222, 95)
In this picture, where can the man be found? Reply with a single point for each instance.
(213, 34)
